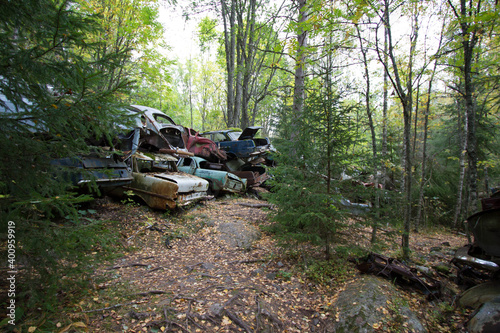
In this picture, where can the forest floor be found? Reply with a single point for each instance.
(175, 274)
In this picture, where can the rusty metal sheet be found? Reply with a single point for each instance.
(485, 226)
(395, 270)
(462, 257)
(156, 192)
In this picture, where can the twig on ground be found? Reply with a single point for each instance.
(127, 265)
(151, 292)
(235, 319)
(249, 261)
(155, 269)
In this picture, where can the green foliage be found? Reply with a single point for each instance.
(54, 103)
(334, 271)
(284, 275)
(207, 33)
(305, 186)
(65, 255)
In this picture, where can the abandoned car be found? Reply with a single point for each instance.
(101, 166)
(149, 150)
(158, 131)
(241, 144)
(203, 147)
(482, 257)
(106, 170)
(158, 182)
(220, 180)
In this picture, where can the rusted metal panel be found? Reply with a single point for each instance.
(220, 180)
(184, 199)
(395, 270)
(462, 257)
(156, 192)
(485, 226)
(253, 177)
(187, 183)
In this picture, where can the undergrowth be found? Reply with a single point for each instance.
(56, 263)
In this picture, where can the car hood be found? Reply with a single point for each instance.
(249, 132)
(186, 182)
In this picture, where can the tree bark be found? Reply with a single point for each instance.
(469, 38)
(406, 98)
(299, 85)
(228, 18)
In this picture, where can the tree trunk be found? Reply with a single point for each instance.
(423, 171)
(228, 17)
(466, 17)
(299, 86)
(373, 135)
(405, 96)
(461, 181)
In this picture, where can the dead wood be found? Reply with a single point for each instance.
(155, 269)
(167, 323)
(146, 258)
(264, 312)
(272, 207)
(250, 261)
(235, 319)
(151, 292)
(128, 265)
(231, 300)
(138, 315)
(138, 231)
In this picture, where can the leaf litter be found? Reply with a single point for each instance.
(176, 275)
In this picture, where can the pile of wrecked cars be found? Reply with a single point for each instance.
(171, 165)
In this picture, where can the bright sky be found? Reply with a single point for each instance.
(179, 34)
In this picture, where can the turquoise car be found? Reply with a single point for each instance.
(219, 180)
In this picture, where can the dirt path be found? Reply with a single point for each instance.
(177, 274)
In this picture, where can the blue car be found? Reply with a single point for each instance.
(241, 144)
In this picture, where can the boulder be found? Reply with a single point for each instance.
(238, 234)
(486, 320)
(365, 305)
(482, 293)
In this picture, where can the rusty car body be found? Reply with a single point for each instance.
(105, 170)
(241, 144)
(484, 252)
(159, 183)
(219, 180)
(159, 132)
(151, 150)
(203, 147)
(100, 166)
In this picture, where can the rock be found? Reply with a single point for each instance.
(271, 276)
(423, 269)
(238, 234)
(360, 307)
(216, 309)
(445, 243)
(480, 294)
(257, 272)
(207, 266)
(435, 249)
(443, 268)
(280, 264)
(209, 223)
(486, 320)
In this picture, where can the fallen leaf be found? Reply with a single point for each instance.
(226, 321)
